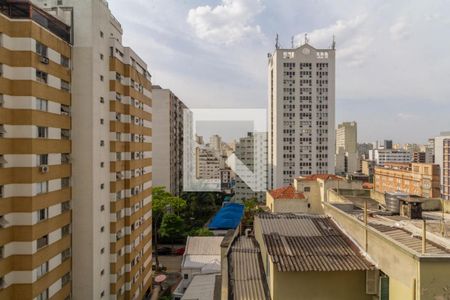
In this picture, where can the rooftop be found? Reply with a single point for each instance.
(303, 242)
(228, 217)
(247, 278)
(201, 287)
(320, 176)
(202, 252)
(286, 192)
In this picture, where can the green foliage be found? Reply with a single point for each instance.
(164, 202)
(172, 227)
(201, 232)
(200, 208)
(250, 209)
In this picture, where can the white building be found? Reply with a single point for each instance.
(442, 158)
(347, 156)
(301, 105)
(382, 156)
(251, 179)
(202, 256)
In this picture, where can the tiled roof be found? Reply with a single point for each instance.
(301, 243)
(247, 278)
(286, 192)
(321, 176)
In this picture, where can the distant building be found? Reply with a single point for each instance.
(382, 156)
(347, 156)
(442, 158)
(412, 178)
(363, 150)
(208, 164)
(167, 151)
(301, 104)
(419, 157)
(215, 142)
(368, 168)
(387, 144)
(252, 152)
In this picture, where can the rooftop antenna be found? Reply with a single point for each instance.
(277, 45)
(333, 44)
(292, 42)
(306, 38)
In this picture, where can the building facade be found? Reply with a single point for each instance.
(442, 158)
(382, 156)
(417, 179)
(252, 152)
(347, 156)
(35, 152)
(168, 137)
(301, 106)
(207, 163)
(111, 156)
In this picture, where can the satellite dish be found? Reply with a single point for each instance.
(160, 278)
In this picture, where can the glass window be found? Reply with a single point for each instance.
(42, 187)
(41, 104)
(41, 49)
(42, 214)
(42, 270)
(42, 132)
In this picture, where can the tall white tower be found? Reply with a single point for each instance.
(301, 133)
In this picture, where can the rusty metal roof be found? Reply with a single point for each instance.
(247, 279)
(302, 242)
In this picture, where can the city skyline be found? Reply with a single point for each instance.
(225, 57)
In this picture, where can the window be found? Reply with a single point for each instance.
(41, 76)
(101, 34)
(65, 182)
(41, 104)
(65, 254)
(102, 250)
(102, 165)
(101, 78)
(65, 110)
(41, 49)
(65, 206)
(101, 56)
(65, 279)
(65, 62)
(102, 229)
(43, 295)
(102, 121)
(186, 276)
(42, 214)
(65, 230)
(42, 242)
(42, 159)
(102, 143)
(102, 207)
(2, 191)
(65, 85)
(60, 2)
(2, 130)
(307, 189)
(102, 100)
(42, 132)
(42, 270)
(102, 272)
(42, 187)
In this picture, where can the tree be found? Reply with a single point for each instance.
(202, 232)
(172, 227)
(250, 209)
(163, 202)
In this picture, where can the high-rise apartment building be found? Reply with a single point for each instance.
(442, 158)
(77, 138)
(347, 157)
(35, 150)
(168, 120)
(301, 133)
(251, 179)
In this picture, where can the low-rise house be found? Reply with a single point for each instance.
(307, 256)
(201, 256)
(203, 287)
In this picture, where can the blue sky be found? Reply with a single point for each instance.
(393, 57)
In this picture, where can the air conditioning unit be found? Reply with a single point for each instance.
(43, 168)
(118, 97)
(44, 60)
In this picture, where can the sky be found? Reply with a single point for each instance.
(393, 56)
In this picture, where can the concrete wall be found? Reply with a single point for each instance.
(435, 283)
(318, 285)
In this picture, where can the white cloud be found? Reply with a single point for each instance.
(226, 23)
(400, 30)
(352, 41)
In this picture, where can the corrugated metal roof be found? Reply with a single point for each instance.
(247, 277)
(300, 243)
(203, 245)
(201, 287)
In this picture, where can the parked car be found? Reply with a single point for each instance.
(180, 251)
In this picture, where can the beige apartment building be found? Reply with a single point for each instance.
(301, 113)
(442, 158)
(75, 155)
(168, 132)
(347, 156)
(35, 149)
(414, 179)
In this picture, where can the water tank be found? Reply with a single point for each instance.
(392, 201)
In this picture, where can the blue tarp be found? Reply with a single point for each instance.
(228, 217)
